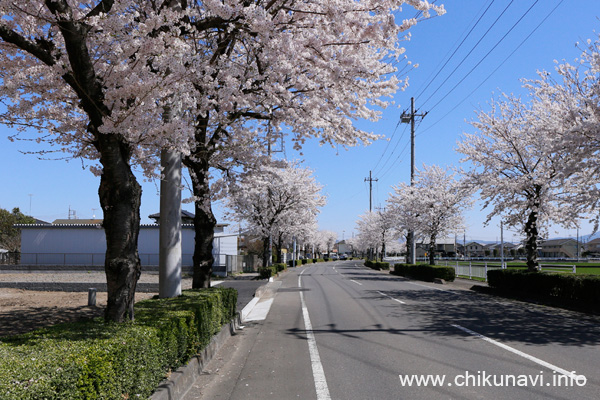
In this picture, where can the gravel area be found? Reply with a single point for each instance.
(58, 297)
(75, 277)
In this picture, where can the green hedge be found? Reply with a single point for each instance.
(280, 267)
(267, 272)
(583, 290)
(95, 360)
(377, 265)
(425, 272)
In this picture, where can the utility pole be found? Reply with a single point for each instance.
(410, 118)
(501, 244)
(370, 179)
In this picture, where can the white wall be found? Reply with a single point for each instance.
(86, 245)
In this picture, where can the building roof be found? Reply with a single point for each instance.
(186, 216)
(556, 242)
(76, 222)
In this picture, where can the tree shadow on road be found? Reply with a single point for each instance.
(502, 319)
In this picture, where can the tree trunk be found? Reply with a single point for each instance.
(531, 231)
(265, 256)
(120, 198)
(204, 222)
(280, 249)
(432, 250)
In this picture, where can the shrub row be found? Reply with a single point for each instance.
(581, 289)
(378, 265)
(95, 360)
(424, 272)
(273, 270)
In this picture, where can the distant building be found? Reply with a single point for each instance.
(474, 249)
(445, 247)
(495, 249)
(559, 248)
(342, 247)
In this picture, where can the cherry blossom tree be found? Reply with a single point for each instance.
(84, 75)
(377, 230)
(433, 207)
(272, 197)
(566, 101)
(518, 170)
(323, 241)
(264, 68)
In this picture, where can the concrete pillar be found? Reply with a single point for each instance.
(169, 258)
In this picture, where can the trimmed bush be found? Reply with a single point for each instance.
(267, 272)
(581, 290)
(95, 360)
(377, 265)
(425, 272)
(279, 267)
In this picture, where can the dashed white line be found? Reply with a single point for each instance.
(358, 283)
(429, 287)
(315, 359)
(570, 374)
(387, 295)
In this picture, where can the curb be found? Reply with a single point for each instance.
(181, 380)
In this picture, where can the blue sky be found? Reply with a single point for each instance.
(47, 189)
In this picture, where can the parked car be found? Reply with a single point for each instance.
(343, 257)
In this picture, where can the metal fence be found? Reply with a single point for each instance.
(474, 270)
(480, 270)
(97, 259)
(233, 264)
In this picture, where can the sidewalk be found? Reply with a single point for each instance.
(257, 361)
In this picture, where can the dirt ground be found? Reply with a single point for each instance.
(25, 310)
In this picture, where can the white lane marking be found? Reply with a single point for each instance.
(387, 295)
(570, 374)
(358, 283)
(428, 287)
(315, 359)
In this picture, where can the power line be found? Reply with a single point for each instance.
(494, 71)
(487, 54)
(469, 53)
(455, 50)
(393, 150)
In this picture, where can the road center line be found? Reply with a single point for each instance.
(315, 359)
(358, 283)
(570, 374)
(387, 295)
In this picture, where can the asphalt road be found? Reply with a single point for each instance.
(340, 331)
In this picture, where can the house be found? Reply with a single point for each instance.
(80, 242)
(495, 249)
(474, 249)
(445, 247)
(593, 247)
(559, 248)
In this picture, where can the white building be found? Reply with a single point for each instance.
(83, 243)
